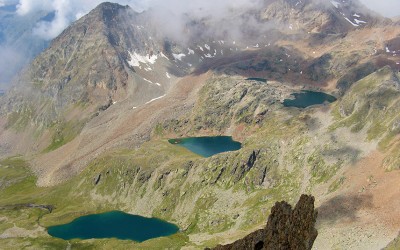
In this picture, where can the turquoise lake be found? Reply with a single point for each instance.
(114, 224)
(208, 146)
(308, 98)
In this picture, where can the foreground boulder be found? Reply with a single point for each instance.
(285, 229)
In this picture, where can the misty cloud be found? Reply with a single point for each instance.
(388, 8)
(174, 18)
(66, 11)
(171, 13)
(11, 61)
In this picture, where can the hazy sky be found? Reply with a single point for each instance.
(69, 10)
(389, 8)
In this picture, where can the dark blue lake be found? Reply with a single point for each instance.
(114, 224)
(208, 146)
(308, 98)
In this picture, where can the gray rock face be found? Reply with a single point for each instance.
(286, 228)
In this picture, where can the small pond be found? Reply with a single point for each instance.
(208, 146)
(114, 224)
(308, 98)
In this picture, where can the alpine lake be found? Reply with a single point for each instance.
(208, 146)
(308, 98)
(114, 224)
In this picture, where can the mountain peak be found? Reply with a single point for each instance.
(110, 5)
(108, 10)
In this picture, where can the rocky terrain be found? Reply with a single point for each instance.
(85, 128)
(285, 229)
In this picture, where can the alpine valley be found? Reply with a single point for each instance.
(86, 128)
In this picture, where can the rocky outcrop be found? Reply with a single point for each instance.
(97, 179)
(240, 171)
(285, 229)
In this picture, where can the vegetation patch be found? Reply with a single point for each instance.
(64, 132)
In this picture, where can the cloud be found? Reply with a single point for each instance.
(66, 11)
(180, 20)
(11, 61)
(388, 8)
(170, 13)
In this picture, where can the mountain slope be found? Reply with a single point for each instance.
(93, 114)
(84, 72)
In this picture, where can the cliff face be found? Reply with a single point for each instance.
(285, 229)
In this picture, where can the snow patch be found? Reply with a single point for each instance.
(207, 46)
(168, 76)
(162, 55)
(356, 15)
(136, 59)
(147, 80)
(152, 100)
(336, 4)
(354, 24)
(359, 21)
(190, 52)
(179, 56)
(151, 82)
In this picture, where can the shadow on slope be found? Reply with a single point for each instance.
(343, 208)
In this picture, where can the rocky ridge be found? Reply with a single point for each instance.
(285, 229)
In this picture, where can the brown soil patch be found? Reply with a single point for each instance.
(366, 208)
